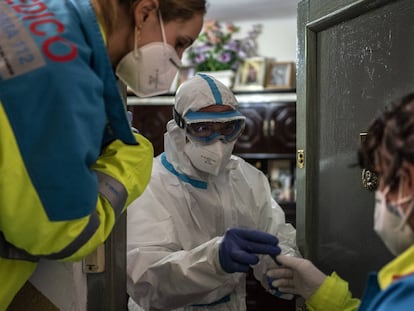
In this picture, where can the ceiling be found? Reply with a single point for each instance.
(232, 10)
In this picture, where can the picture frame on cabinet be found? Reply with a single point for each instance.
(281, 178)
(250, 75)
(280, 75)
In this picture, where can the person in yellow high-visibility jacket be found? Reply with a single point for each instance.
(69, 161)
(387, 150)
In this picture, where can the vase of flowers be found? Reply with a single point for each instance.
(218, 53)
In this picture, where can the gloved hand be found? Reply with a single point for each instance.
(277, 293)
(296, 276)
(130, 117)
(238, 249)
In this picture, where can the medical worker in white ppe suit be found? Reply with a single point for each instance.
(207, 216)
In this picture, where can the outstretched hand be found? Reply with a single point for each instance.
(239, 248)
(296, 276)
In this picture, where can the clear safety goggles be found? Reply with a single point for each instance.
(208, 127)
(212, 131)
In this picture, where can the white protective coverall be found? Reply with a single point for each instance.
(175, 227)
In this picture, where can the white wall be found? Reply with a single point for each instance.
(278, 37)
(277, 40)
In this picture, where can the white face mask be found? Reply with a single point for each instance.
(390, 223)
(211, 158)
(151, 69)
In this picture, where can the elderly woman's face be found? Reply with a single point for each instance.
(404, 187)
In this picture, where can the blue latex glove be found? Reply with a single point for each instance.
(238, 249)
(129, 116)
(275, 291)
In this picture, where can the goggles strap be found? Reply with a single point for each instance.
(178, 119)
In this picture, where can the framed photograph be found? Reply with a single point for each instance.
(282, 183)
(280, 75)
(251, 74)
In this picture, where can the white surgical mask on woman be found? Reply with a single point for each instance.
(151, 69)
(211, 158)
(390, 222)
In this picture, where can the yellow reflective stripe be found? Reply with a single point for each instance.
(102, 30)
(113, 191)
(9, 251)
(80, 240)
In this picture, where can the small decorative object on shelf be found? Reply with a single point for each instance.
(217, 50)
(280, 75)
(281, 177)
(251, 74)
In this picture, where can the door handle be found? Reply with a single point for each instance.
(265, 128)
(369, 178)
(272, 127)
(300, 158)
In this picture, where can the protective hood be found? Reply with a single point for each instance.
(198, 92)
(203, 91)
(174, 143)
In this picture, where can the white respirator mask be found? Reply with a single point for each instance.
(390, 223)
(151, 69)
(212, 158)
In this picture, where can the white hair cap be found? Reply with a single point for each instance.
(201, 91)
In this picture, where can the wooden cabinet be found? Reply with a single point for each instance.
(270, 129)
(151, 121)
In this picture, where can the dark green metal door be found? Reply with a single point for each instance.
(353, 57)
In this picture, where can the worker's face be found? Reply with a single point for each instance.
(208, 132)
(216, 108)
(405, 187)
(150, 68)
(207, 148)
(393, 219)
(179, 34)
